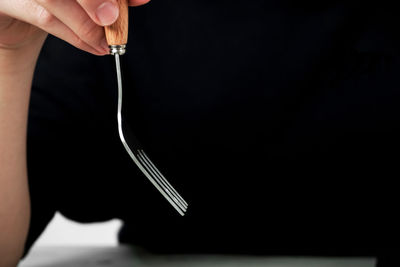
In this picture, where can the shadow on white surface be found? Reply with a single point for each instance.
(69, 244)
(128, 256)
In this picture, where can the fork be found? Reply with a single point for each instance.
(117, 35)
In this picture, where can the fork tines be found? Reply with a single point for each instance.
(161, 183)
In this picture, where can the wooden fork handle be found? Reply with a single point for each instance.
(117, 33)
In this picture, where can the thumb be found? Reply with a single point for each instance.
(102, 12)
(106, 12)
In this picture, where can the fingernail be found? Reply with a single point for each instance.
(107, 13)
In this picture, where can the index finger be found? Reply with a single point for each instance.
(137, 2)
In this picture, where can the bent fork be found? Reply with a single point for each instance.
(142, 160)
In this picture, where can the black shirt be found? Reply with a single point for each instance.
(278, 121)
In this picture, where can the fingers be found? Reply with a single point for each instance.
(103, 12)
(75, 18)
(137, 2)
(31, 12)
(78, 22)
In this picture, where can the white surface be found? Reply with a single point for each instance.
(69, 244)
(125, 256)
(63, 232)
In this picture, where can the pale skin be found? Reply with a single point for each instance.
(24, 25)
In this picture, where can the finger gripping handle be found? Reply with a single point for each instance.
(117, 33)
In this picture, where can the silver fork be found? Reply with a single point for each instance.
(139, 156)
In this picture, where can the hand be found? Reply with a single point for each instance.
(78, 22)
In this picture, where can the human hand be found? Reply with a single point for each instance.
(78, 22)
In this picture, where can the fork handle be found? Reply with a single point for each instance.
(117, 33)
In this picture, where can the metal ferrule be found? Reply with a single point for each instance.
(117, 49)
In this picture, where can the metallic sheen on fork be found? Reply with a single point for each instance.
(138, 155)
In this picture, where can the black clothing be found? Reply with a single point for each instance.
(278, 121)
